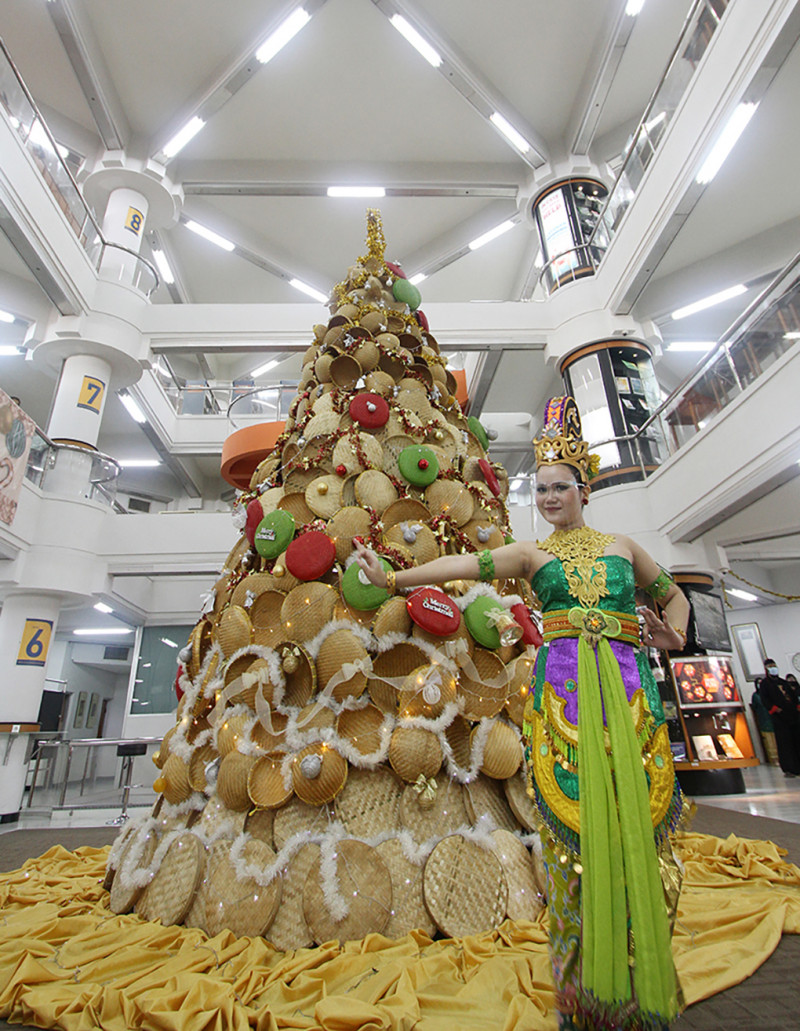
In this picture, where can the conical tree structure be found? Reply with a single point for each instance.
(346, 762)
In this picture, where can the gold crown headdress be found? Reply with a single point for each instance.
(561, 441)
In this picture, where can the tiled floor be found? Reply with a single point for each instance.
(769, 793)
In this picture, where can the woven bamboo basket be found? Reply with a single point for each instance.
(250, 587)
(465, 888)
(345, 371)
(259, 825)
(362, 728)
(417, 538)
(415, 401)
(338, 649)
(414, 751)
(270, 498)
(429, 814)
(400, 424)
(379, 382)
(274, 741)
(485, 797)
(263, 471)
(322, 366)
(396, 662)
(516, 789)
(222, 594)
(316, 716)
(367, 354)
(458, 737)
(391, 365)
(232, 781)
(297, 480)
(175, 774)
(160, 757)
(391, 618)
(521, 670)
(364, 881)
(455, 644)
(236, 904)
(502, 755)
(289, 929)
(306, 610)
(295, 505)
(197, 766)
(349, 490)
(426, 691)
(235, 556)
(318, 774)
(321, 424)
(234, 630)
(299, 821)
(265, 616)
(265, 785)
(388, 341)
(481, 700)
(123, 895)
(237, 666)
(324, 495)
(525, 900)
(358, 452)
(299, 672)
(474, 446)
(230, 733)
(451, 499)
(169, 895)
(200, 641)
(392, 448)
(408, 903)
(368, 804)
(216, 816)
(374, 321)
(484, 534)
(349, 522)
(346, 612)
(375, 489)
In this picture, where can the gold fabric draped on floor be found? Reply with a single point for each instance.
(67, 962)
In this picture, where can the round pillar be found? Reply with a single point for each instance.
(616, 390)
(565, 213)
(27, 626)
(79, 400)
(123, 225)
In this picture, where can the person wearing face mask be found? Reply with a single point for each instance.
(597, 750)
(782, 702)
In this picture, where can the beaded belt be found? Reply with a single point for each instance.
(591, 624)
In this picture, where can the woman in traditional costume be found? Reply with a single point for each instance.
(597, 751)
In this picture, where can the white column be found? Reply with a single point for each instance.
(123, 224)
(27, 625)
(80, 399)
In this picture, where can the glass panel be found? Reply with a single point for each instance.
(154, 679)
(589, 392)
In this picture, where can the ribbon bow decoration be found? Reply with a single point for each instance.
(594, 624)
(509, 629)
(425, 788)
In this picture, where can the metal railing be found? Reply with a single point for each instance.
(99, 779)
(766, 330)
(72, 470)
(699, 27)
(26, 119)
(569, 266)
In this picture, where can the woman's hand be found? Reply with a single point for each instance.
(657, 633)
(368, 561)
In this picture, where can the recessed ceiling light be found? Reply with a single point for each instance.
(710, 301)
(182, 137)
(309, 291)
(209, 234)
(742, 595)
(264, 368)
(8, 351)
(6, 316)
(734, 128)
(139, 463)
(133, 408)
(286, 31)
(422, 46)
(356, 191)
(634, 7)
(492, 234)
(105, 609)
(510, 133)
(92, 631)
(160, 258)
(690, 345)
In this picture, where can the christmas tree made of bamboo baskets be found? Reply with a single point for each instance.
(343, 761)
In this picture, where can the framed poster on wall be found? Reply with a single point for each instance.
(80, 711)
(750, 649)
(91, 716)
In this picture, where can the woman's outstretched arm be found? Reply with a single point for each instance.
(512, 560)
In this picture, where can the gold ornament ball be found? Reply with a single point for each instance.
(159, 784)
(290, 663)
(438, 435)
(322, 488)
(278, 570)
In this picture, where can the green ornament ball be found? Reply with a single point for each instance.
(407, 293)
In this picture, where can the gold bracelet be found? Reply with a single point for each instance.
(681, 634)
(391, 581)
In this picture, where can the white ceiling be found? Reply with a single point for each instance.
(349, 101)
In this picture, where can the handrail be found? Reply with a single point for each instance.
(65, 168)
(571, 250)
(688, 21)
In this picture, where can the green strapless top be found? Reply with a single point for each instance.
(552, 590)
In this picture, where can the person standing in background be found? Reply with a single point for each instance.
(782, 701)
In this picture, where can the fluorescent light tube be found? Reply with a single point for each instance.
(516, 483)
(166, 640)
(134, 410)
(422, 46)
(791, 336)
(8, 351)
(286, 31)
(160, 258)
(510, 133)
(418, 278)
(634, 7)
(105, 609)
(264, 368)
(6, 316)
(92, 631)
(492, 234)
(742, 595)
(356, 191)
(304, 288)
(710, 301)
(691, 345)
(182, 137)
(139, 463)
(209, 234)
(736, 125)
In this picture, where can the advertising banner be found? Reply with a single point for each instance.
(16, 432)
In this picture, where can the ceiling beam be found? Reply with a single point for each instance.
(264, 188)
(86, 57)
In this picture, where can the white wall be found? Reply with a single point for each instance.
(780, 632)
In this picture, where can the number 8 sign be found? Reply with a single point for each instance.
(35, 642)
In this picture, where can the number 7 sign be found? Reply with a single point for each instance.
(91, 395)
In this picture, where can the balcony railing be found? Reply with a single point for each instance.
(23, 114)
(70, 470)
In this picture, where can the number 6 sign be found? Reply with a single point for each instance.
(35, 642)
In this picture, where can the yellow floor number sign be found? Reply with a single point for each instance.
(35, 642)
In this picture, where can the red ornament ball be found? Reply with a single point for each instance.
(341, 470)
(423, 463)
